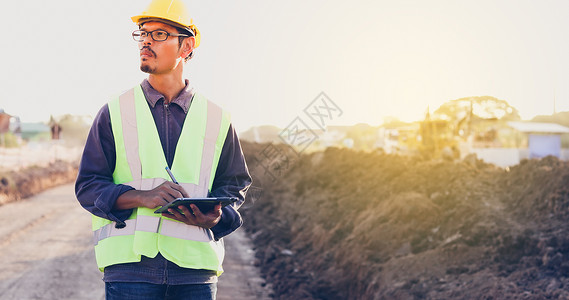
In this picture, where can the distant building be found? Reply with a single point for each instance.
(401, 139)
(532, 140)
(543, 138)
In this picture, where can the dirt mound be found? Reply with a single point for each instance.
(341, 224)
(27, 182)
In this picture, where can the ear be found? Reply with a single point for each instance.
(187, 46)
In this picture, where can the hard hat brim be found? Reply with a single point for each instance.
(139, 20)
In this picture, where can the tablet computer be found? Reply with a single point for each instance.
(204, 204)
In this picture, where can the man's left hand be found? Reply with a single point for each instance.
(195, 216)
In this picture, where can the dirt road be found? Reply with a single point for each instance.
(46, 253)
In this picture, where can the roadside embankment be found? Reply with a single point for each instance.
(26, 182)
(341, 224)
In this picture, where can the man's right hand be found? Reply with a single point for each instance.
(159, 196)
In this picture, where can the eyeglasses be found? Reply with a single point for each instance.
(157, 35)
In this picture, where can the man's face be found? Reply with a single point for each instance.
(159, 57)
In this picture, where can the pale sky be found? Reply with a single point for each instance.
(265, 61)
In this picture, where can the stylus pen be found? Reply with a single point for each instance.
(171, 175)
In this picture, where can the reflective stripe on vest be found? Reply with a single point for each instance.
(140, 163)
(154, 224)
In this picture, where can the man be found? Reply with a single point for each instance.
(122, 178)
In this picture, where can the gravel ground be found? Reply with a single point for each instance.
(46, 253)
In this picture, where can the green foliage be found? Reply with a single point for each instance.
(37, 137)
(8, 140)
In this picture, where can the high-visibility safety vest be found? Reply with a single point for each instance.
(140, 163)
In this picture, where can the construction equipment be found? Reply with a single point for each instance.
(438, 139)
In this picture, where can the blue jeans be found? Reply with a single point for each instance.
(149, 291)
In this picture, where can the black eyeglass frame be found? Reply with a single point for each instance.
(151, 33)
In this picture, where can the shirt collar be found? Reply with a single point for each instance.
(184, 99)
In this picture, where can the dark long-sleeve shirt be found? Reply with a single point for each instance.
(97, 193)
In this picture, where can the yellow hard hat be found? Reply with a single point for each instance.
(173, 12)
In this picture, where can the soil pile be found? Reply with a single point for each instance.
(341, 224)
(24, 183)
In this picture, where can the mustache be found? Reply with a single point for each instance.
(148, 48)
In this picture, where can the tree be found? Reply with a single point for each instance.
(74, 129)
(462, 113)
(483, 107)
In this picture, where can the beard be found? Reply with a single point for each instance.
(147, 69)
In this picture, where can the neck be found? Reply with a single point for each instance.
(169, 85)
